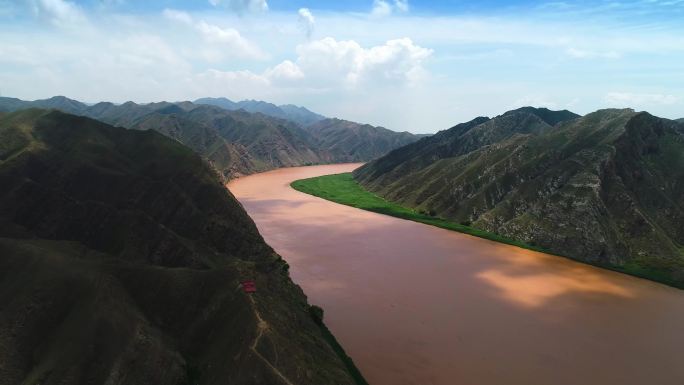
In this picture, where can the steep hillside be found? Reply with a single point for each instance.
(461, 139)
(274, 142)
(121, 257)
(231, 159)
(300, 115)
(353, 142)
(607, 188)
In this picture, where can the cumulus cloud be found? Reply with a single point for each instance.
(383, 8)
(61, 13)
(306, 21)
(228, 38)
(285, 72)
(242, 6)
(628, 99)
(330, 64)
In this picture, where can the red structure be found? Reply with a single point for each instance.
(249, 286)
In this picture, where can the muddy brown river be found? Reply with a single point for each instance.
(415, 304)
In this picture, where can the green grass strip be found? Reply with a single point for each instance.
(343, 189)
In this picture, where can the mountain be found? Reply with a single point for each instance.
(606, 188)
(296, 114)
(61, 103)
(230, 159)
(300, 115)
(235, 141)
(122, 254)
(224, 103)
(463, 138)
(353, 142)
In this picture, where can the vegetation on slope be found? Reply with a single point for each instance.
(343, 189)
(121, 254)
(606, 188)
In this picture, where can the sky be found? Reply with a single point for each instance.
(408, 65)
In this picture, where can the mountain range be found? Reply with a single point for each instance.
(240, 138)
(606, 188)
(299, 115)
(122, 257)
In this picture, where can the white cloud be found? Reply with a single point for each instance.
(401, 5)
(284, 72)
(382, 8)
(179, 16)
(628, 99)
(242, 6)
(328, 62)
(306, 21)
(227, 38)
(231, 39)
(61, 13)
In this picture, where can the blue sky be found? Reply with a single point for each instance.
(420, 66)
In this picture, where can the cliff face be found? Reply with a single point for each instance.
(120, 260)
(607, 188)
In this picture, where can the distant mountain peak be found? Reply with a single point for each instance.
(551, 117)
(296, 114)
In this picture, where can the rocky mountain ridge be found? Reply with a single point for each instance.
(235, 141)
(606, 188)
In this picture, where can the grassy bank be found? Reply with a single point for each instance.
(342, 188)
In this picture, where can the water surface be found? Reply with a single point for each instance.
(415, 304)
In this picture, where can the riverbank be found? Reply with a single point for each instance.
(343, 189)
(416, 304)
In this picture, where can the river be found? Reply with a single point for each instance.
(415, 304)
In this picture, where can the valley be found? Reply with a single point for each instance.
(416, 304)
(372, 192)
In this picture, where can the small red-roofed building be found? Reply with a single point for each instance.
(249, 286)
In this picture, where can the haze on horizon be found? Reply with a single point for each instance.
(419, 66)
